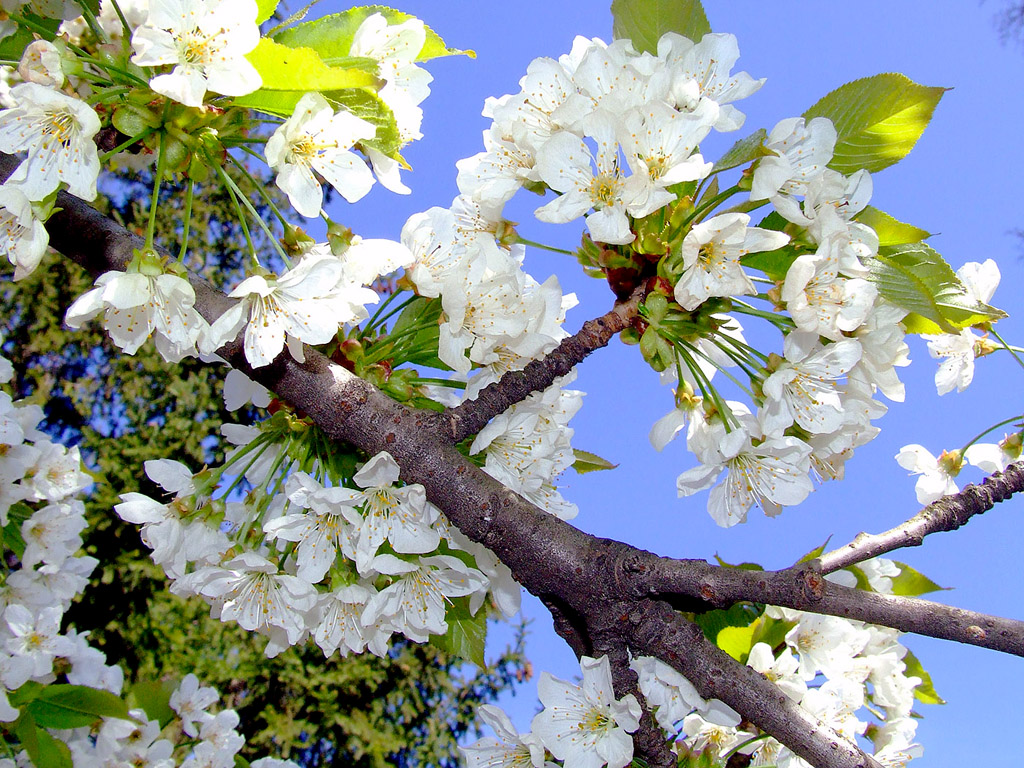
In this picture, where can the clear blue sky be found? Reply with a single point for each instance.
(961, 181)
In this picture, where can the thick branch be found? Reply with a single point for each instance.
(946, 514)
(661, 632)
(515, 386)
(805, 588)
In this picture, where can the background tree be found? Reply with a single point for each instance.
(408, 708)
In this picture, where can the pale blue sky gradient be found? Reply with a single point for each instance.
(962, 181)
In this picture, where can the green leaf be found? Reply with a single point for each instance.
(925, 692)
(590, 462)
(154, 697)
(42, 748)
(737, 641)
(878, 120)
(74, 706)
(13, 540)
(891, 231)
(741, 566)
(265, 9)
(466, 634)
(26, 693)
(331, 36)
(13, 46)
(916, 278)
(743, 151)
(300, 69)
(862, 580)
(911, 583)
(645, 21)
(713, 622)
(775, 264)
(770, 631)
(816, 552)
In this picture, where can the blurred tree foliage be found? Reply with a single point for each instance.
(408, 709)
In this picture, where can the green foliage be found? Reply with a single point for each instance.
(590, 462)
(916, 278)
(744, 151)
(925, 692)
(409, 708)
(911, 583)
(287, 69)
(645, 21)
(466, 635)
(891, 231)
(74, 706)
(878, 120)
(331, 36)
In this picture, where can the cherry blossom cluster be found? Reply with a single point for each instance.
(851, 676)
(40, 485)
(174, 63)
(576, 127)
(346, 561)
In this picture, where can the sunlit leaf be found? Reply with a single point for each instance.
(590, 462)
(331, 36)
(911, 583)
(916, 278)
(645, 21)
(878, 120)
(891, 231)
(925, 692)
(743, 151)
(301, 69)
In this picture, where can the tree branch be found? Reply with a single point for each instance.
(515, 386)
(661, 632)
(805, 588)
(946, 514)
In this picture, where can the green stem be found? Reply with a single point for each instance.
(994, 427)
(190, 190)
(698, 213)
(743, 744)
(126, 36)
(104, 93)
(259, 219)
(229, 185)
(375, 322)
(94, 25)
(125, 144)
(261, 188)
(389, 348)
(161, 167)
(523, 241)
(439, 382)
(781, 321)
(1007, 347)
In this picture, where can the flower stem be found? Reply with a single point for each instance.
(161, 167)
(1012, 350)
(190, 190)
(238, 195)
(994, 427)
(523, 241)
(262, 189)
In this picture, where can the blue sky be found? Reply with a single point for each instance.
(960, 182)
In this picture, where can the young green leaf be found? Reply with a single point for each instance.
(743, 151)
(301, 69)
(737, 641)
(154, 698)
(878, 120)
(42, 748)
(916, 278)
(645, 21)
(74, 706)
(590, 462)
(775, 264)
(265, 9)
(911, 583)
(466, 635)
(891, 231)
(332, 35)
(925, 692)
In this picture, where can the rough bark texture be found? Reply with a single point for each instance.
(606, 597)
